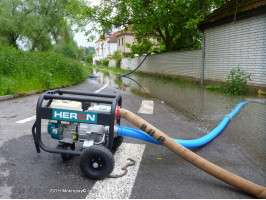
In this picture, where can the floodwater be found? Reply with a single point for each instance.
(204, 110)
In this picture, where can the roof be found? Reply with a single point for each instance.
(233, 10)
(113, 38)
(106, 36)
(126, 31)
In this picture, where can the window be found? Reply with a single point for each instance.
(119, 42)
(122, 41)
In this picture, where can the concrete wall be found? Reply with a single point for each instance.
(182, 63)
(242, 43)
(111, 63)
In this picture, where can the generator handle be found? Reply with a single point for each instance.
(60, 92)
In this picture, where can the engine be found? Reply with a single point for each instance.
(69, 132)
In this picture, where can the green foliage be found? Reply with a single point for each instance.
(70, 49)
(118, 59)
(89, 49)
(37, 23)
(114, 70)
(7, 86)
(103, 62)
(213, 88)
(25, 71)
(141, 48)
(236, 82)
(81, 53)
(171, 22)
(89, 57)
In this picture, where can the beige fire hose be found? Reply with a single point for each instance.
(212, 169)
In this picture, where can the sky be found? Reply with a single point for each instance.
(80, 37)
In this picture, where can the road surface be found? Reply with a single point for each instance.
(158, 173)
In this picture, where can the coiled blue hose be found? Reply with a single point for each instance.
(139, 134)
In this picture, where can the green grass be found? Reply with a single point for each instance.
(139, 93)
(213, 88)
(114, 70)
(22, 71)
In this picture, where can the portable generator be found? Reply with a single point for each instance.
(87, 120)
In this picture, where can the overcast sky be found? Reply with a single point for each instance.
(80, 37)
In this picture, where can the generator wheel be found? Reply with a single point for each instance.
(97, 162)
(117, 142)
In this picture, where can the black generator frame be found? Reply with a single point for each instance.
(45, 112)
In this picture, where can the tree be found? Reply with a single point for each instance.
(89, 57)
(89, 49)
(48, 24)
(142, 47)
(171, 22)
(39, 23)
(11, 19)
(70, 49)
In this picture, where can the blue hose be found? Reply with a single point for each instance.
(139, 134)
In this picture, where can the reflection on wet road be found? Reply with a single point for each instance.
(203, 109)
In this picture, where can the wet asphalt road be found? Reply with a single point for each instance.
(162, 174)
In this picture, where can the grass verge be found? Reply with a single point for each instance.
(22, 71)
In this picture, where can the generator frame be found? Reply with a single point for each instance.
(45, 112)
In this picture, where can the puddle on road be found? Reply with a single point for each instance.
(202, 108)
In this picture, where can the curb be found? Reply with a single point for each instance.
(13, 96)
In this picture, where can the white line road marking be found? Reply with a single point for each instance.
(103, 87)
(119, 188)
(146, 107)
(26, 120)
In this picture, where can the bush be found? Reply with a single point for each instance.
(103, 62)
(89, 57)
(236, 82)
(7, 86)
(22, 71)
(118, 59)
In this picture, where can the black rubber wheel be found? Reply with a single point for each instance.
(97, 162)
(117, 142)
(65, 157)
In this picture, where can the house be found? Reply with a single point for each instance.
(128, 37)
(125, 37)
(101, 49)
(112, 43)
(235, 35)
(105, 47)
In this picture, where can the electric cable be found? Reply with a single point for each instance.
(132, 70)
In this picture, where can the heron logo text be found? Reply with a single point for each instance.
(74, 116)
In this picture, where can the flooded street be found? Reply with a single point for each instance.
(180, 109)
(203, 110)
